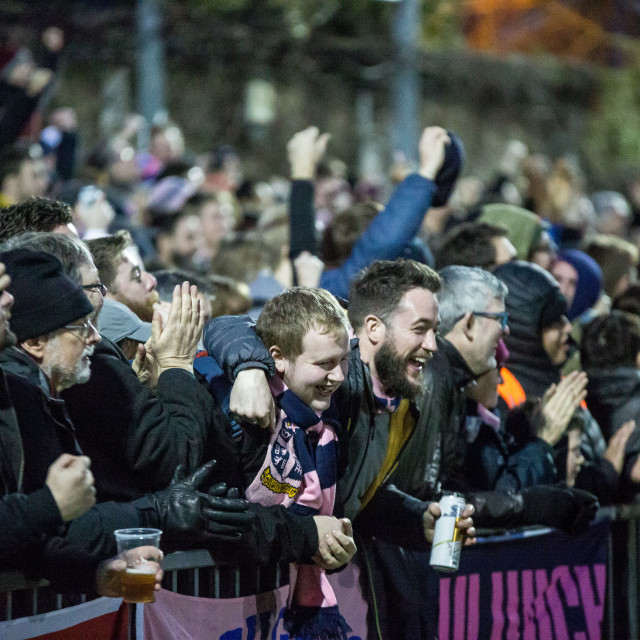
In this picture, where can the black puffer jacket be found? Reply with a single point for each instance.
(532, 291)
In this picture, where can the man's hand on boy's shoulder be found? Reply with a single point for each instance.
(336, 545)
(251, 399)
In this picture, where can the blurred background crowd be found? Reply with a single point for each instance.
(280, 142)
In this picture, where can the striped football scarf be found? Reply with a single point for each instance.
(299, 472)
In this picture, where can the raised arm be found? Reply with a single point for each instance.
(304, 150)
(397, 224)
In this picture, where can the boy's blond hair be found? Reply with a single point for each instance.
(288, 317)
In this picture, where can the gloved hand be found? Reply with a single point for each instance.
(181, 509)
(225, 514)
(570, 510)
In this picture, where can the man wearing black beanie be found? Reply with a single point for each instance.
(50, 318)
(39, 532)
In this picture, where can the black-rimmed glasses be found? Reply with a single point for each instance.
(96, 286)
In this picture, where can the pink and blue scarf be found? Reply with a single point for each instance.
(299, 472)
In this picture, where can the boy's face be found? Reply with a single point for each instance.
(318, 371)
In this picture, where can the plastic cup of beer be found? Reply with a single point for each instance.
(139, 578)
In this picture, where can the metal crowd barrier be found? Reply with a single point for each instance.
(195, 573)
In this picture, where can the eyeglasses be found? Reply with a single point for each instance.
(85, 329)
(502, 317)
(96, 285)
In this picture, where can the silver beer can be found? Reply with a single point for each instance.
(447, 539)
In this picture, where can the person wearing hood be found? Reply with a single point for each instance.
(539, 344)
(528, 233)
(580, 280)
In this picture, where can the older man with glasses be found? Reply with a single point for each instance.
(54, 341)
(46, 486)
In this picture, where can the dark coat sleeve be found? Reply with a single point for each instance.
(278, 536)
(70, 562)
(302, 218)
(35, 540)
(25, 520)
(134, 436)
(600, 478)
(233, 343)
(394, 516)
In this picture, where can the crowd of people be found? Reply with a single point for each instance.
(292, 370)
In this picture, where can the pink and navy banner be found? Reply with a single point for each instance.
(534, 588)
(513, 587)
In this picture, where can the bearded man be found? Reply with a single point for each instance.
(121, 270)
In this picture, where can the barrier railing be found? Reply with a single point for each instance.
(195, 573)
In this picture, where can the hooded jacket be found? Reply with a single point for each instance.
(533, 303)
(534, 300)
(589, 285)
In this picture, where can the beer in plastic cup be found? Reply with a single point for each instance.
(139, 578)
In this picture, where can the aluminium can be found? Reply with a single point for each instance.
(447, 539)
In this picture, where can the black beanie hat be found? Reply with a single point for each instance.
(449, 171)
(45, 299)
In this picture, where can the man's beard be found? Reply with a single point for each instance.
(392, 373)
(83, 368)
(144, 310)
(68, 377)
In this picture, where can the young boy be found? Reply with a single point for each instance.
(306, 331)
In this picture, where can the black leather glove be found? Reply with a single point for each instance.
(225, 514)
(181, 509)
(570, 510)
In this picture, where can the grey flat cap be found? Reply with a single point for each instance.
(116, 322)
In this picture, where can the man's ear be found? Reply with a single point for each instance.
(374, 329)
(278, 358)
(467, 325)
(35, 347)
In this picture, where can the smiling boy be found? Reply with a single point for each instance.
(307, 334)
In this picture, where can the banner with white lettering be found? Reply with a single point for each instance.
(534, 588)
